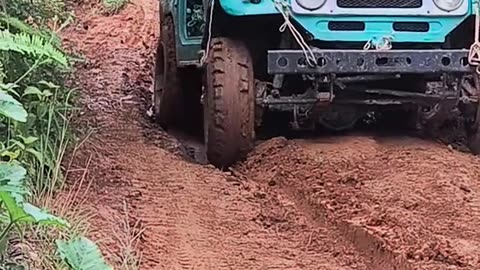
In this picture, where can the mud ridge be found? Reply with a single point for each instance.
(291, 184)
(363, 189)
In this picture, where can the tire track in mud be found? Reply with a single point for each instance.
(176, 228)
(205, 219)
(291, 169)
(399, 201)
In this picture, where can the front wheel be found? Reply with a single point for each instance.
(471, 112)
(229, 102)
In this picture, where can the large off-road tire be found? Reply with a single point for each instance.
(474, 142)
(229, 103)
(167, 92)
(472, 117)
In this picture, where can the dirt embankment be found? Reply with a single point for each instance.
(354, 203)
(414, 201)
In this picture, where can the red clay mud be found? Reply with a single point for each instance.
(416, 200)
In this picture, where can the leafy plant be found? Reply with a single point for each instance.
(11, 179)
(82, 254)
(35, 107)
(31, 45)
(114, 6)
(40, 10)
(16, 25)
(11, 108)
(14, 210)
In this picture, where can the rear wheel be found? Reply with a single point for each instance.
(177, 90)
(229, 102)
(167, 94)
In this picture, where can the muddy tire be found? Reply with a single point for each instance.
(474, 143)
(229, 116)
(473, 135)
(167, 94)
(471, 114)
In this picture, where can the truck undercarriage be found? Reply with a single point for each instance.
(317, 83)
(345, 84)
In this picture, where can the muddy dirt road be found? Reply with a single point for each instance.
(399, 198)
(354, 202)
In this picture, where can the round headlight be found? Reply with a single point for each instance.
(448, 5)
(311, 4)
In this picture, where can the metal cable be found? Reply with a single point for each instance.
(283, 7)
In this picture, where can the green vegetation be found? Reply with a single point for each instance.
(35, 112)
(81, 254)
(114, 6)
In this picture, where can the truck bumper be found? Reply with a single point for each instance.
(363, 62)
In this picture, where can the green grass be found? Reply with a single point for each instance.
(36, 108)
(114, 6)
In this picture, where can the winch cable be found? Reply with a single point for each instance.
(284, 8)
(205, 52)
(474, 53)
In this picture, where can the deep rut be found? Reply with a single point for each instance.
(199, 218)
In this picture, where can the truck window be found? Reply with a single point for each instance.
(195, 22)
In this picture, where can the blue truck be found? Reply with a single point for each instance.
(327, 63)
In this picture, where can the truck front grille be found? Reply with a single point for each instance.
(411, 26)
(379, 3)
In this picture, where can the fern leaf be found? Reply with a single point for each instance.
(21, 26)
(31, 45)
(16, 23)
(113, 6)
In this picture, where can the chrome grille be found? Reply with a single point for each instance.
(379, 3)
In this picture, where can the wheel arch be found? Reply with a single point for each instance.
(240, 28)
(186, 49)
